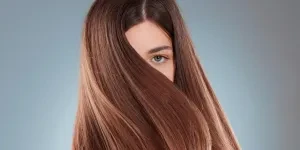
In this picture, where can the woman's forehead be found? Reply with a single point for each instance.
(146, 36)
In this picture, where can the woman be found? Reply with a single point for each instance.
(141, 84)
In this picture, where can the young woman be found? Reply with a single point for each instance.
(141, 84)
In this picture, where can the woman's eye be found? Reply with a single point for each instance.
(159, 59)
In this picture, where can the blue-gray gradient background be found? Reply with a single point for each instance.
(248, 48)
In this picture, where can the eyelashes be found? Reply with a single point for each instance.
(159, 59)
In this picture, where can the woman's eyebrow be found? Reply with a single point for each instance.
(160, 48)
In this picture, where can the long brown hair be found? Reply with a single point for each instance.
(125, 104)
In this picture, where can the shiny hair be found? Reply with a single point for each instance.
(125, 104)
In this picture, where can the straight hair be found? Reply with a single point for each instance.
(125, 104)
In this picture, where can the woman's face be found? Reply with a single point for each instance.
(154, 46)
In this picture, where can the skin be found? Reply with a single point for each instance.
(154, 46)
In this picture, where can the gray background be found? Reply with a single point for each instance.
(249, 50)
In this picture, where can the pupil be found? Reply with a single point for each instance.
(157, 58)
